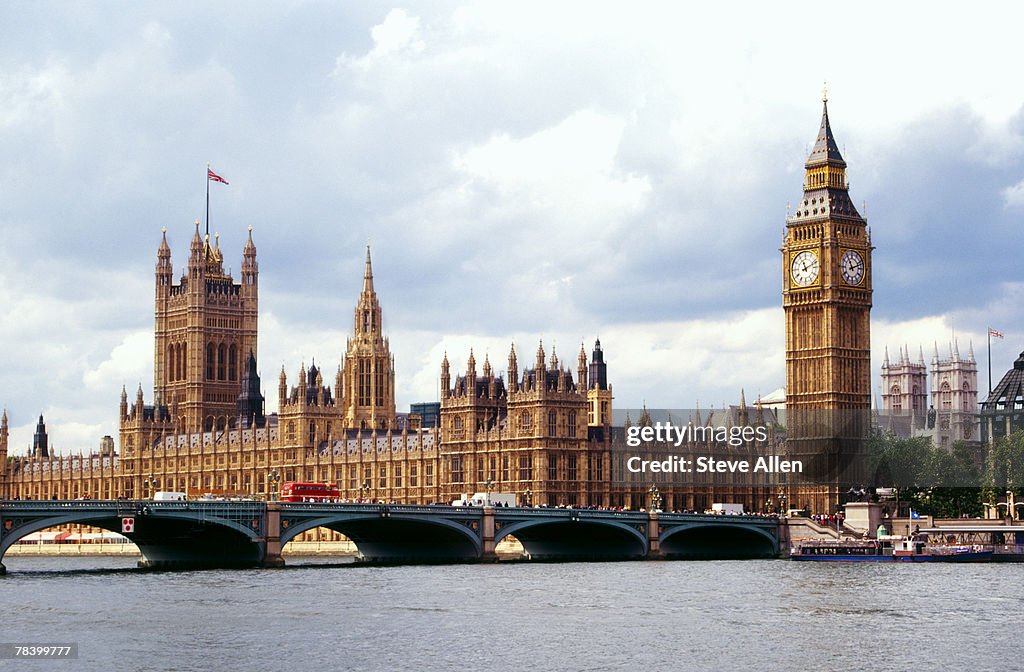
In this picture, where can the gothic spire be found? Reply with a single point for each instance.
(164, 252)
(368, 273)
(250, 247)
(825, 149)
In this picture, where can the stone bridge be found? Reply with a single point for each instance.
(247, 534)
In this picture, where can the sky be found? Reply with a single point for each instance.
(523, 171)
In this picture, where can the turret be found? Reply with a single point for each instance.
(513, 370)
(3, 443)
(743, 416)
(282, 390)
(581, 370)
(164, 270)
(446, 378)
(124, 403)
(598, 368)
(471, 375)
(196, 263)
(540, 359)
(40, 441)
(250, 401)
(249, 263)
(302, 383)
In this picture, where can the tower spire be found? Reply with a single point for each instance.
(368, 272)
(825, 149)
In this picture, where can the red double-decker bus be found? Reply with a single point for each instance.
(293, 491)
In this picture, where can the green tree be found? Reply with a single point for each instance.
(1004, 469)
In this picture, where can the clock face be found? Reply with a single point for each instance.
(804, 269)
(852, 266)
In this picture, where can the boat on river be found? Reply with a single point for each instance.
(889, 548)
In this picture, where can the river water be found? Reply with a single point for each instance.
(721, 615)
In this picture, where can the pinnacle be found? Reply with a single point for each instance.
(825, 148)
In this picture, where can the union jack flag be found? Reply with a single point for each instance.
(214, 177)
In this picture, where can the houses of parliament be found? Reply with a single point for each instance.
(206, 430)
(543, 430)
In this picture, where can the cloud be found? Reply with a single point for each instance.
(523, 171)
(398, 34)
(1013, 195)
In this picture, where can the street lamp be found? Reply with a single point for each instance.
(273, 478)
(150, 484)
(364, 490)
(528, 498)
(655, 498)
(488, 486)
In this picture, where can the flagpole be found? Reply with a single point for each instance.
(990, 361)
(208, 213)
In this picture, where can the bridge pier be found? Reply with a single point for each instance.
(272, 535)
(487, 553)
(785, 538)
(654, 537)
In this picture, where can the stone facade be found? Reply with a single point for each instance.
(536, 436)
(207, 431)
(826, 296)
(945, 410)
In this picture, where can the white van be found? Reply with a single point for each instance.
(169, 497)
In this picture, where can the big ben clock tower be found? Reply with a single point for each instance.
(826, 295)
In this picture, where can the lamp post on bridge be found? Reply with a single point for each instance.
(364, 490)
(273, 478)
(528, 498)
(488, 486)
(655, 498)
(151, 485)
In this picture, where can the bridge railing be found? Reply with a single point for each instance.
(335, 507)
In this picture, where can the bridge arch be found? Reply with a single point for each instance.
(718, 541)
(576, 538)
(176, 538)
(383, 535)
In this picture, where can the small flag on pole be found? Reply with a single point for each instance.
(914, 515)
(214, 177)
(993, 332)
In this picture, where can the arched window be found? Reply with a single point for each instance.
(172, 364)
(312, 431)
(222, 360)
(552, 423)
(946, 396)
(572, 424)
(211, 363)
(233, 362)
(182, 361)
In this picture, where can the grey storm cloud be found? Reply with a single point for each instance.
(521, 173)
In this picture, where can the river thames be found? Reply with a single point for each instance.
(722, 615)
